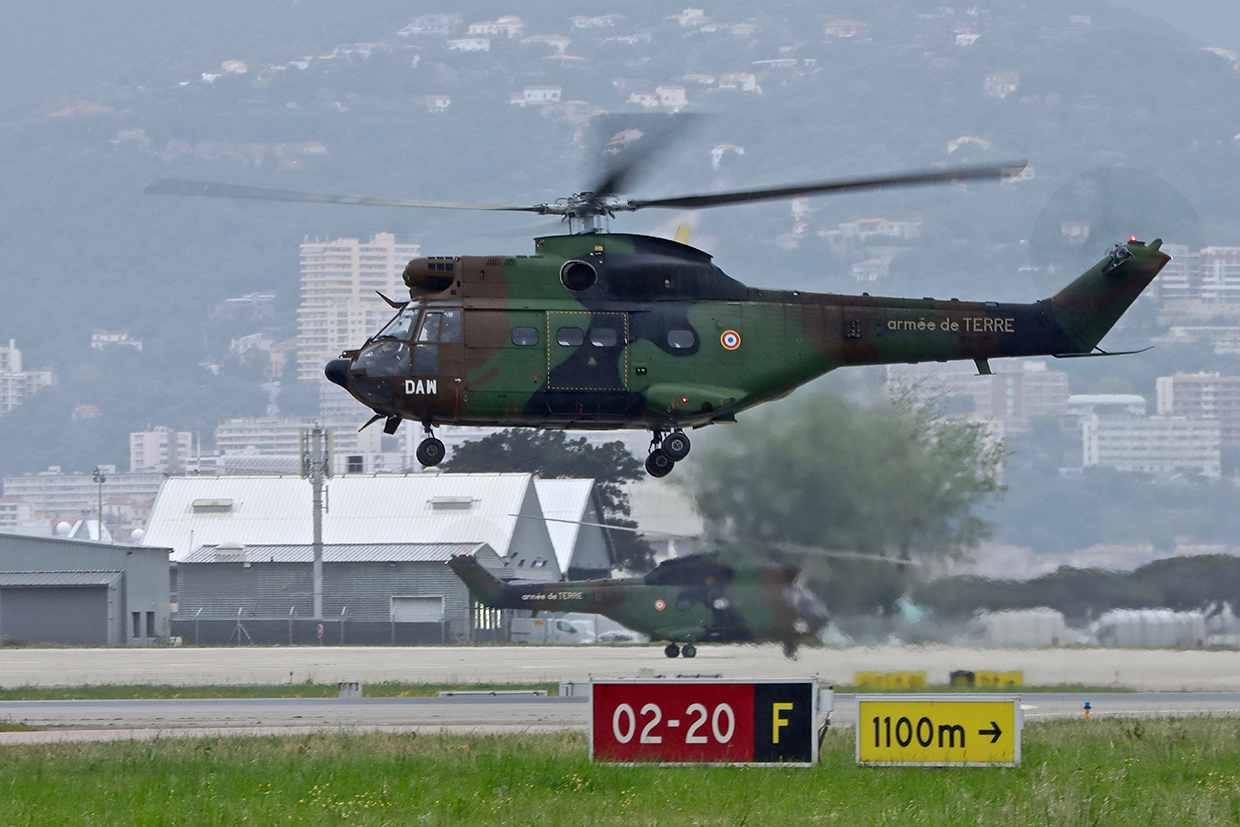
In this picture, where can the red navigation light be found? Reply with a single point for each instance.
(1132, 238)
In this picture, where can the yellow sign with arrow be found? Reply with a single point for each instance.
(939, 730)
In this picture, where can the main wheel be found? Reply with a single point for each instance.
(671, 650)
(689, 650)
(430, 452)
(676, 446)
(658, 464)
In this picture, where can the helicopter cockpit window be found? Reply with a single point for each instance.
(569, 337)
(384, 359)
(402, 326)
(680, 339)
(603, 336)
(450, 328)
(525, 336)
(429, 332)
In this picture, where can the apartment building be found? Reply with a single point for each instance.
(339, 306)
(1203, 396)
(159, 449)
(1017, 391)
(1165, 446)
(17, 384)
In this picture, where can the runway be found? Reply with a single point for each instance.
(60, 721)
(1147, 670)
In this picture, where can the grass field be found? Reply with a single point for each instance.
(1103, 772)
(108, 692)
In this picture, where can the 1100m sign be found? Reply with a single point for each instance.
(704, 721)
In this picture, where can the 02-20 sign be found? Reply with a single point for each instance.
(722, 724)
(704, 721)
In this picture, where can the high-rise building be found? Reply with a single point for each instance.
(159, 449)
(1164, 446)
(1203, 396)
(339, 306)
(1016, 392)
(17, 384)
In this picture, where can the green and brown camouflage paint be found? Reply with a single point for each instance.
(623, 331)
(684, 600)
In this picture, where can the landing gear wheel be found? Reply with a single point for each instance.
(671, 650)
(676, 446)
(689, 650)
(658, 465)
(430, 452)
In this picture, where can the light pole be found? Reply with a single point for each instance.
(100, 479)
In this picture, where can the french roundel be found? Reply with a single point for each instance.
(659, 604)
(730, 340)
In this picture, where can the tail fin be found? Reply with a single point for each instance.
(1090, 306)
(480, 582)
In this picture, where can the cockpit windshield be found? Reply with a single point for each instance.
(401, 327)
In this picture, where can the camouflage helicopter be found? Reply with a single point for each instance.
(685, 600)
(602, 330)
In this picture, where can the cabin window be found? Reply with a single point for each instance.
(450, 328)
(603, 336)
(525, 336)
(426, 360)
(578, 275)
(680, 339)
(569, 337)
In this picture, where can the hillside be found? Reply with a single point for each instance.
(124, 96)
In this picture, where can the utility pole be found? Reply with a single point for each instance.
(316, 482)
(100, 479)
(315, 464)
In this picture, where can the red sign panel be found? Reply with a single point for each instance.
(704, 722)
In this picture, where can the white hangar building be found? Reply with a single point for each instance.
(242, 548)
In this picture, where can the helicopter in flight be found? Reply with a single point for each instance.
(601, 330)
(685, 600)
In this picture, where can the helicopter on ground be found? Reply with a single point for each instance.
(685, 600)
(606, 331)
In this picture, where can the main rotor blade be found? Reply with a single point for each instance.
(843, 185)
(794, 548)
(626, 143)
(203, 189)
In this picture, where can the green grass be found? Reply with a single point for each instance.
(1104, 772)
(108, 691)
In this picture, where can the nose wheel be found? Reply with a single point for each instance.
(665, 452)
(430, 450)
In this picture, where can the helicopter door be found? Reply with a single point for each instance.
(439, 356)
(587, 351)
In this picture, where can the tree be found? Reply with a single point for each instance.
(552, 455)
(889, 478)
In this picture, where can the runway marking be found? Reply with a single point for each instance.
(63, 736)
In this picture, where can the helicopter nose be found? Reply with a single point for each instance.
(337, 372)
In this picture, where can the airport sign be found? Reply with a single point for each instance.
(939, 730)
(705, 721)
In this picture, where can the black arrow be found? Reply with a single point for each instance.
(995, 731)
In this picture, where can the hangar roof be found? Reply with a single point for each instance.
(358, 510)
(356, 553)
(16, 579)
